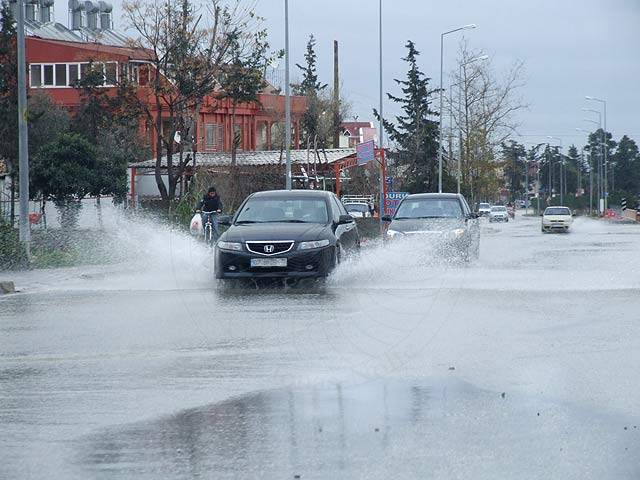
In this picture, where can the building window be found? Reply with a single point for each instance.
(213, 134)
(73, 73)
(36, 72)
(110, 73)
(83, 70)
(61, 75)
(48, 75)
(238, 136)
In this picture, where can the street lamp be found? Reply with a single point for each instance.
(601, 186)
(462, 65)
(561, 164)
(287, 95)
(606, 187)
(466, 27)
(382, 169)
(590, 172)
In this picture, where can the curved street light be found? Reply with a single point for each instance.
(442, 35)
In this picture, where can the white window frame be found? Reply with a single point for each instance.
(70, 80)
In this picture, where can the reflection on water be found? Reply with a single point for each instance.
(447, 429)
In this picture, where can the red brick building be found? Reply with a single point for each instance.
(58, 56)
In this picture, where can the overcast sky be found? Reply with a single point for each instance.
(571, 48)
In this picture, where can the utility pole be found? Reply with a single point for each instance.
(23, 140)
(380, 140)
(336, 96)
(287, 96)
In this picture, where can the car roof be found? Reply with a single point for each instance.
(434, 195)
(291, 193)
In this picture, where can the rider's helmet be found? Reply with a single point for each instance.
(211, 190)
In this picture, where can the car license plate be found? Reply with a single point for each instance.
(268, 262)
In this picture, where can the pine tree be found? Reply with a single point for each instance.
(310, 84)
(310, 88)
(627, 169)
(415, 132)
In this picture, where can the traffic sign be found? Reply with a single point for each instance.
(365, 152)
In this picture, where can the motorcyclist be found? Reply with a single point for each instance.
(209, 207)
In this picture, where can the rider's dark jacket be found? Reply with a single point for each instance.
(210, 204)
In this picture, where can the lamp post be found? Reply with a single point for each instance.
(590, 171)
(381, 134)
(459, 84)
(601, 187)
(605, 146)
(442, 35)
(287, 95)
(23, 141)
(561, 164)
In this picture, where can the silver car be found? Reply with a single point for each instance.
(498, 213)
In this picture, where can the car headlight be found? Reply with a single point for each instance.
(233, 246)
(458, 232)
(393, 233)
(314, 244)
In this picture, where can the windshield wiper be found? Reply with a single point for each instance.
(240, 222)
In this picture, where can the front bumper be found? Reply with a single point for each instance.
(499, 218)
(300, 264)
(556, 226)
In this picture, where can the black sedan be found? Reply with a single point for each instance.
(286, 234)
(442, 219)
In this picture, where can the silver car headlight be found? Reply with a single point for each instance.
(232, 246)
(314, 244)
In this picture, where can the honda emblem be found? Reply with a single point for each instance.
(269, 248)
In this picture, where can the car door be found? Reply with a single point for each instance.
(347, 234)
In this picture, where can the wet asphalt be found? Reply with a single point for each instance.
(523, 364)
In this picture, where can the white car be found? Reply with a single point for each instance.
(498, 213)
(358, 209)
(484, 209)
(557, 219)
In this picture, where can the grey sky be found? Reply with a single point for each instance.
(571, 48)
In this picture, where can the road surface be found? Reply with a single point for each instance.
(522, 365)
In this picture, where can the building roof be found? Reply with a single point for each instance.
(258, 158)
(354, 127)
(51, 31)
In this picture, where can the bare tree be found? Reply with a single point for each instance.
(485, 117)
(186, 47)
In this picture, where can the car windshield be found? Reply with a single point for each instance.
(356, 207)
(484, 205)
(298, 210)
(429, 208)
(557, 211)
(499, 209)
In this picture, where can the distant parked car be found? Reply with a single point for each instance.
(498, 213)
(484, 209)
(557, 219)
(358, 209)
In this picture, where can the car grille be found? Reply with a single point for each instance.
(269, 248)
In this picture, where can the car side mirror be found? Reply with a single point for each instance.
(344, 219)
(387, 218)
(224, 220)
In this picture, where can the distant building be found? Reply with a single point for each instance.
(353, 133)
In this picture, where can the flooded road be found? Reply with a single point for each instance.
(523, 364)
